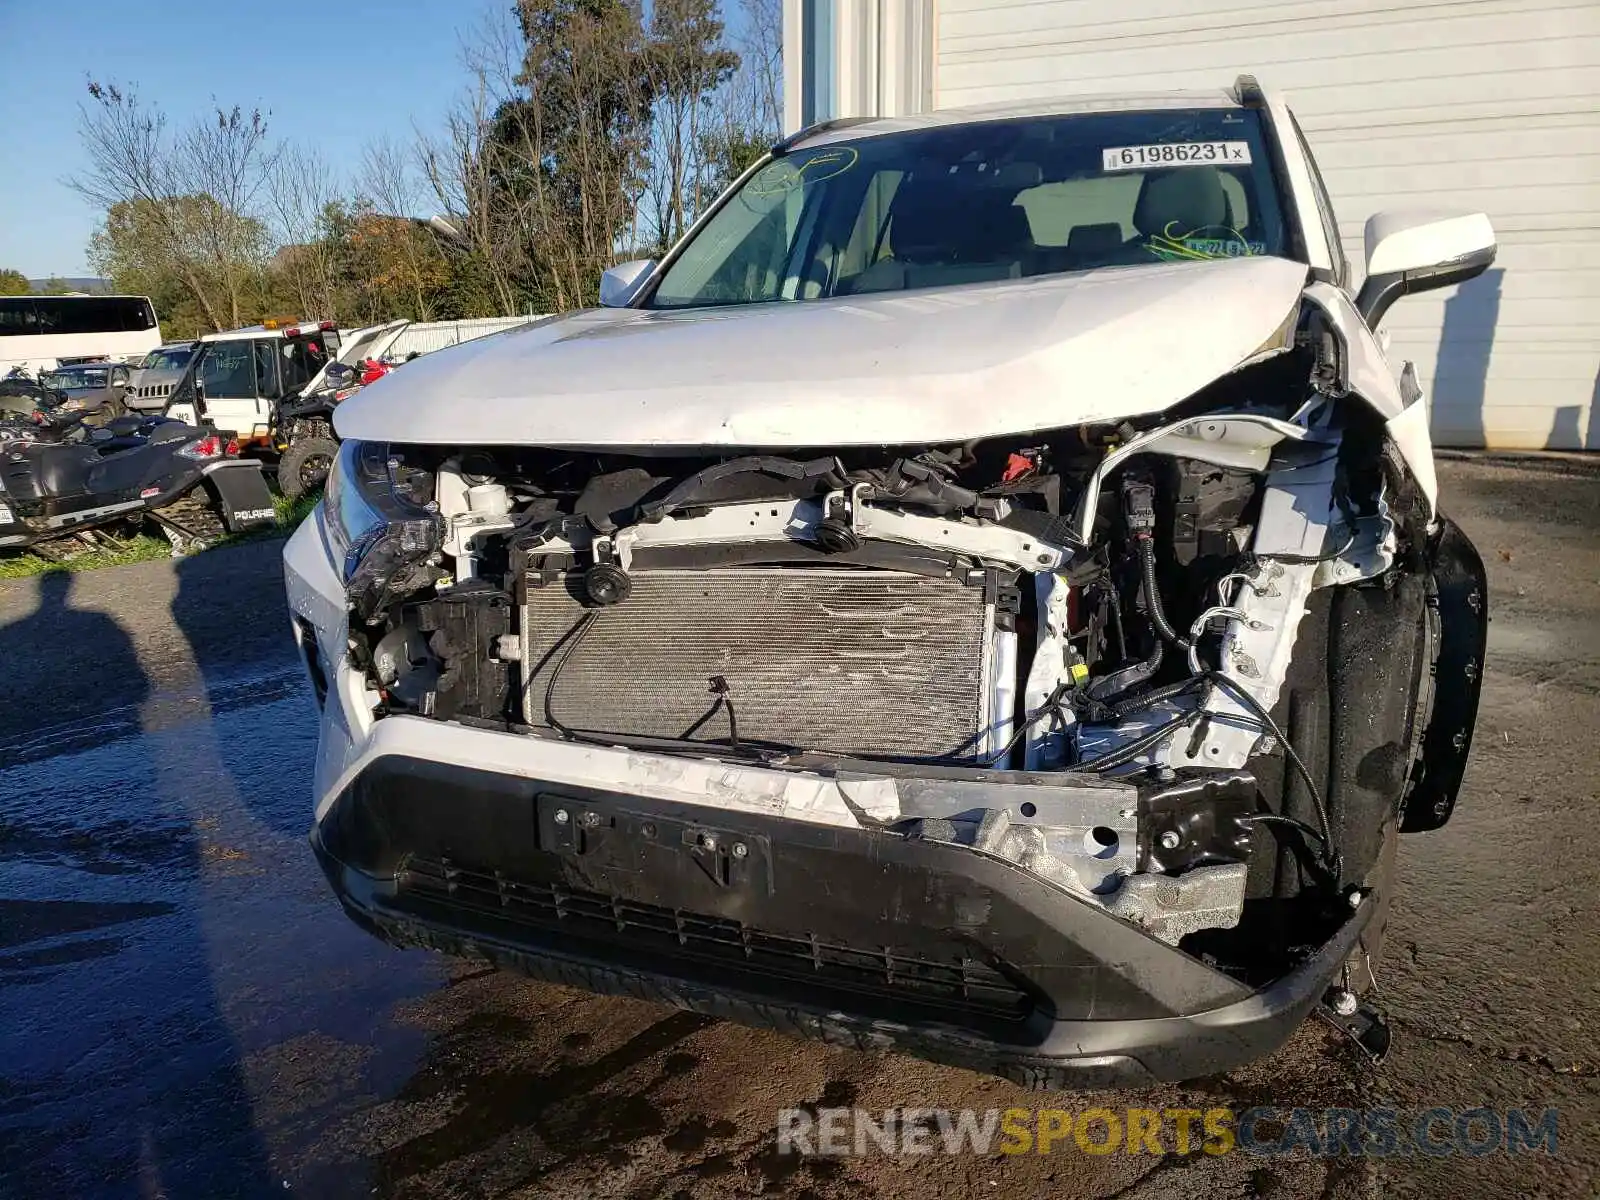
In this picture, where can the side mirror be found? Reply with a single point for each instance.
(618, 285)
(1418, 251)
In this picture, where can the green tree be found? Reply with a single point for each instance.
(728, 152)
(174, 253)
(568, 150)
(13, 282)
(687, 62)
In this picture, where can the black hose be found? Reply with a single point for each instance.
(1131, 750)
(719, 688)
(1114, 603)
(1304, 559)
(568, 642)
(1118, 682)
(1152, 594)
(1151, 698)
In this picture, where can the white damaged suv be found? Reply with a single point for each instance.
(983, 594)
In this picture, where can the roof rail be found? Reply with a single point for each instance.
(1248, 92)
(800, 135)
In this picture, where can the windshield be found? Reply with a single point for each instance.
(167, 360)
(985, 201)
(67, 378)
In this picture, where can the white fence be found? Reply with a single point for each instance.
(425, 337)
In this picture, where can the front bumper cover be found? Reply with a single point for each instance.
(853, 936)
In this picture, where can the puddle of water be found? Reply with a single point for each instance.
(162, 922)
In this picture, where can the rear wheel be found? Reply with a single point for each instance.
(305, 465)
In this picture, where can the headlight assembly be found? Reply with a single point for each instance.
(387, 543)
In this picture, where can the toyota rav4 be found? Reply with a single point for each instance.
(983, 593)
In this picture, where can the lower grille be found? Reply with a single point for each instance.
(955, 982)
(865, 662)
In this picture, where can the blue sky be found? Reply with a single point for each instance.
(342, 73)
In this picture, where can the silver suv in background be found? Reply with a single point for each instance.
(157, 375)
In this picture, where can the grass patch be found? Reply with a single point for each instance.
(142, 547)
(292, 512)
(139, 548)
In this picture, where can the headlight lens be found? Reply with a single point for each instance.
(347, 514)
(386, 542)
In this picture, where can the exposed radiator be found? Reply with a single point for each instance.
(853, 661)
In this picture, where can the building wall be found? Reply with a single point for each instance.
(846, 58)
(1476, 104)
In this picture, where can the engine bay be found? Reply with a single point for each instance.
(1064, 648)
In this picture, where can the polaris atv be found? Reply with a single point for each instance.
(61, 479)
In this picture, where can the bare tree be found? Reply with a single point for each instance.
(388, 177)
(545, 154)
(687, 64)
(761, 61)
(301, 193)
(460, 163)
(192, 192)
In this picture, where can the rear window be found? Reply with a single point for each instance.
(77, 377)
(167, 360)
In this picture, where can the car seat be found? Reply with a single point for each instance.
(942, 234)
(1178, 202)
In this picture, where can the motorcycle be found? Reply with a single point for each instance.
(302, 428)
(62, 479)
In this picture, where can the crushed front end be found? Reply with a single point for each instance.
(1076, 756)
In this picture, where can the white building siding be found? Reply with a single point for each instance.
(1481, 104)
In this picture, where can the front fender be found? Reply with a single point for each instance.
(1366, 375)
(1458, 601)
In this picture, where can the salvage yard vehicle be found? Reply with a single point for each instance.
(156, 376)
(43, 332)
(265, 385)
(96, 390)
(302, 424)
(63, 481)
(234, 379)
(983, 594)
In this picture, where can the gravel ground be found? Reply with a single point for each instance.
(184, 1012)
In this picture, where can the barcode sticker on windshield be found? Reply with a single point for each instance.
(1176, 154)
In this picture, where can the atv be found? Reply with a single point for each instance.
(63, 481)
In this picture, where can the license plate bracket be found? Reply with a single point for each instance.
(651, 857)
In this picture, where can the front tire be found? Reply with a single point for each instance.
(305, 465)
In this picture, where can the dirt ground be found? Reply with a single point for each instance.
(185, 1012)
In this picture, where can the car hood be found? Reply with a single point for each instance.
(937, 365)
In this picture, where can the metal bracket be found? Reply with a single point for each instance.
(1359, 1020)
(1296, 512)
(993, 542)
